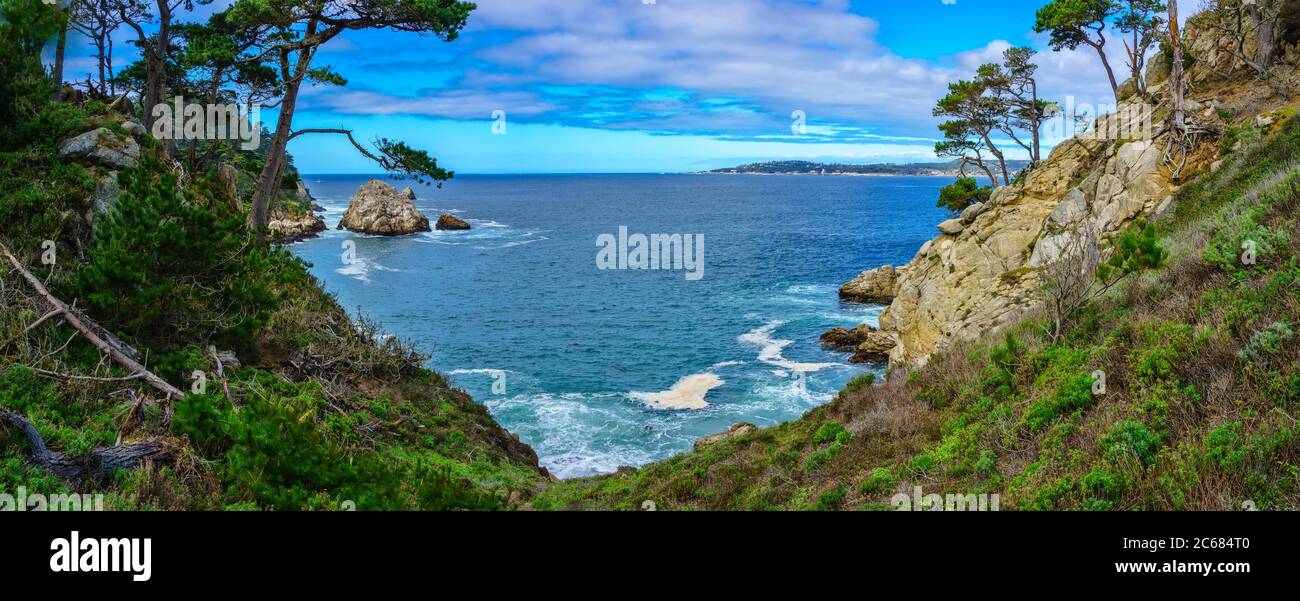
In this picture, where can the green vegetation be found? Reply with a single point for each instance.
(963, 193)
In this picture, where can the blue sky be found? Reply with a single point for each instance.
(665, 86)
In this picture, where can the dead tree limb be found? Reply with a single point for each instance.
(92, 332)
(221, 374)
(99, 463)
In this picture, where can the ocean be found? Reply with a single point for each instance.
(598, 368)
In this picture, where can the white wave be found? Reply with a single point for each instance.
(726, 364)
(585, 434)
(770, 350)
(495, 373)
(488, 223)
(359, 269)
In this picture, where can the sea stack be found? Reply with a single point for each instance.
(447, 222)
(379, 209)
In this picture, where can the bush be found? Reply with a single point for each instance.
(1073, 394)
(963, 193)
(861, 382)
(167, 272)
(1131, 439)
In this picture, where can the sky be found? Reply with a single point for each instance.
(649, 86)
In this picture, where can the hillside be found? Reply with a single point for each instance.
(288, 402)
(1177, 388)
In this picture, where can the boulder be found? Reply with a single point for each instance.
(846, 340)
(228, 185)
(447, 222)
(107, 191)
(296, 228)
(952, 227)
(102, 147)
(968, 216)
(379, 209)
(134, 128)
(874, 349)
(739, 429)
(873, 286)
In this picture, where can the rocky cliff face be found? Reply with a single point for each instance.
(982, 271)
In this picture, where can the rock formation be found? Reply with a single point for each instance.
(103, 148)
(378, 208)
(447, 222)
(867, 344)
(982, 271)
(873, 286)
(296, 227)
(739, 429)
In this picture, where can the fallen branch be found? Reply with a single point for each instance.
(221, 374)
(92, 333)
(58, 376)
(99, 463)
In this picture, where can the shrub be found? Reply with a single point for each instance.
(1131, 439)
(963, 193)
(164, 271)
(1267, 341)
(831, 499)
(1073, 394)
(861, 382)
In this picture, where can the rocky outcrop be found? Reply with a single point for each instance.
(298, 227)
(876, 348)
(982, 271)
(739, 429)
(103, 148)
(867, 344)
(873, 286)
(378, 208)
(845, 340)
(447, 222)
(228, 186)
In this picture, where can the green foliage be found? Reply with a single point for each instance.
(1267, 341)
(1074, 22)
(1138, 249)
(1073, 394)
(963, 193)
(861, 382)
(1131, 439)
(832, 431)
(831, 499)
(29, 23)
(163, 268)
(272, 453)
(881, 480)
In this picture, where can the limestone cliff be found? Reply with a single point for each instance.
(982, 271)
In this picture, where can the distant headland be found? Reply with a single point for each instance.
(948, 169)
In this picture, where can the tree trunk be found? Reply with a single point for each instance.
(99, 463)
(1037, 121)
(268, 182)
(60, 49)
(1176, 76)
(1110, 73)
(1265, 34)
(1002, 161)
